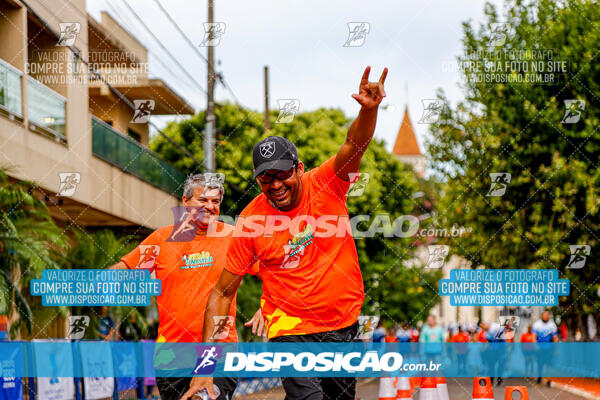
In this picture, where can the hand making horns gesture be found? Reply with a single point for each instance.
(370, 94)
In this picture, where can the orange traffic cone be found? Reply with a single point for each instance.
(428, 389)
(482, 389)
(403, 387)
(442, 388)
(522, 390)
(387, 389)
(415, 381)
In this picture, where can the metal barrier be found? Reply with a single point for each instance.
(253, 385)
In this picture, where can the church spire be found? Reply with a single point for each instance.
(406, 140)
(406, 148)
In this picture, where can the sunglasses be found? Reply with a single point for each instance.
(281, 176)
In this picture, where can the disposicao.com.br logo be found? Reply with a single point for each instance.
(352, 362)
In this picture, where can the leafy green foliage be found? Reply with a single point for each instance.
(552, 200)
(100, 250)
(29, 242)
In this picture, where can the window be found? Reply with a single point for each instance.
(46, 108)
(10, 89)
(134, 135)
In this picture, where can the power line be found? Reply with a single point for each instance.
(219, 76)
(105, 81)
(119, 12)
(221, 79)
(209, 142)
(189, 42)
(181, 32)
(163, 46)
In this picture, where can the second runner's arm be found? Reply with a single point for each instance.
(219, 303)
(119, 265)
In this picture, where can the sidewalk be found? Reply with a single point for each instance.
(588, 388)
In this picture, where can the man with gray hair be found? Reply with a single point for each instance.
(188, 262)
(198, 216)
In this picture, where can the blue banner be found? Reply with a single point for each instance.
(96, 358)
(54, 368)
(11, 388)
(52, 359)
(147, 351)
(126, 362)
(308, 359)
(11, 364)
(97, 368)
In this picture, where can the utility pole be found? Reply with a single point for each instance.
(267, 121)
(209, 132)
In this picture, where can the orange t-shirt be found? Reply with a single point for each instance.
(481, 337)
(391, 339)
(459, 338)
(311, 280)
(188, 272)
(528, 337)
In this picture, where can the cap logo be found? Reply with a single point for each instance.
(267, 149)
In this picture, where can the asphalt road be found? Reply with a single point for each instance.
(458, 389)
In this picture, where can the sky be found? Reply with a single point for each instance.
(302, 42)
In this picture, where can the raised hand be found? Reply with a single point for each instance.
(370, 94)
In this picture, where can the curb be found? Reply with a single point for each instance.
(371, 379)
(574, 390)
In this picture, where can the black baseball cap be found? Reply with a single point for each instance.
(274, 152)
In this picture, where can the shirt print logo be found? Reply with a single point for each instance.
(294, 249)
(197, 260)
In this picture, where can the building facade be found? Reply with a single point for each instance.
(83, 136)
(58, 118)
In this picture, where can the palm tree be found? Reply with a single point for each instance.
(100, 250)
(30, 241)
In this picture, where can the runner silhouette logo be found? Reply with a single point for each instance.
(207, 359)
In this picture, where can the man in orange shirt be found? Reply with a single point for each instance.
(188, 263)
(312, 284)
(462, 338)
(528, 348)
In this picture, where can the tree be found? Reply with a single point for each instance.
(551, 201)
(397, 293)
(100, 250)
(29, 243)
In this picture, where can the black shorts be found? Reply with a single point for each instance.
(341, 388)
(174, 388)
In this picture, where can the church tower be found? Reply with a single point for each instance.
(406, 148)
